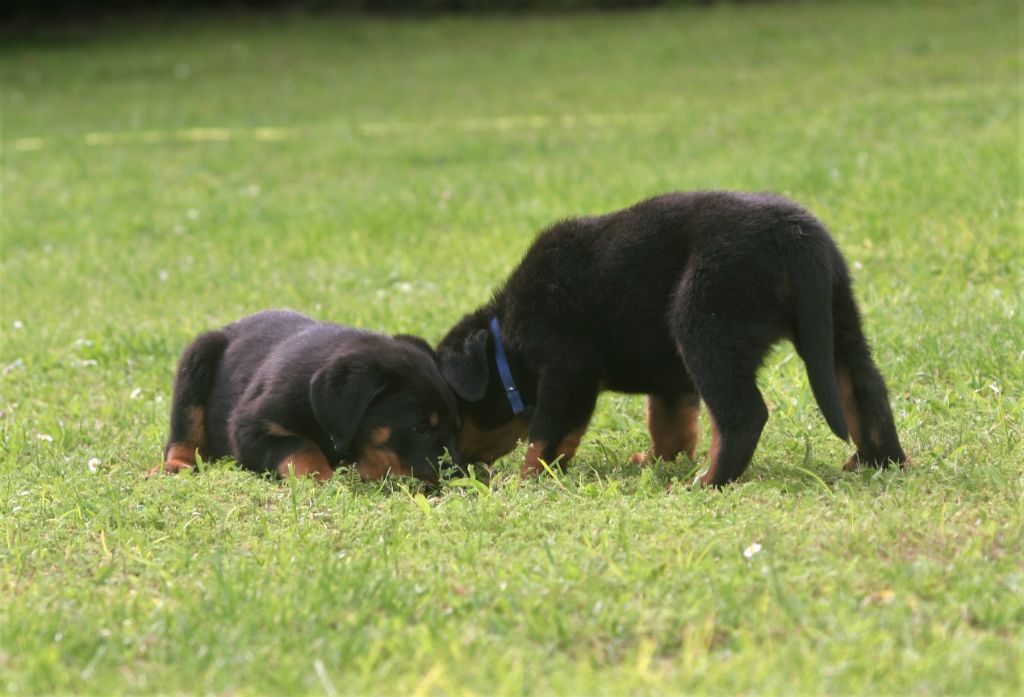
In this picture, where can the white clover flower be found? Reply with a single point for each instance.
(752, 550)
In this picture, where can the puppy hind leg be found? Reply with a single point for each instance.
(865, 403)
(862, 392)
(722, 356)
(737, 419)
(188, 435)
(192, 384)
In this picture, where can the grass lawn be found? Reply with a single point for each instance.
(162, 178)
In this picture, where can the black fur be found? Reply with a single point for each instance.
(278, 388)
(677, 297)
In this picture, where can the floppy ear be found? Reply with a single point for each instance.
(465, 366)
(340, 393)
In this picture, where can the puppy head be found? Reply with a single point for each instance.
(386, 406)
(488, 429)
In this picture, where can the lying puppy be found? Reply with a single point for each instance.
(283, 393)
(679, 297)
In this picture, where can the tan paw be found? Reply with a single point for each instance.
(852, 464)
(532, 466)
(168, 468)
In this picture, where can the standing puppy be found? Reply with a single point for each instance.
(679, 297)
(280, 392)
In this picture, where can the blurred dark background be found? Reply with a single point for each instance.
(44, 10)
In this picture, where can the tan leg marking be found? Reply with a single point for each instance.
(197, 428)
(535, 452)
(531, 464)
(708, 477)
(568, 446)
(377, 463)
(477, 445)
(380, 435)
(673, 430)
(689, 431)
(307, 460)
(182, 456)
(849, 406)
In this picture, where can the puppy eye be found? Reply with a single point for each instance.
(422, 428)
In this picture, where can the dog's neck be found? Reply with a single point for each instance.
(511, 389)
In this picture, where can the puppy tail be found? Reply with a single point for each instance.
(812, 273)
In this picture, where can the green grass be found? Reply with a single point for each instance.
(411, 164)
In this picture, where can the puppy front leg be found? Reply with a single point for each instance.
(267, 447)
(296, 456)
(565, 402)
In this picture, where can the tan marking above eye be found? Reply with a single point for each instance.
(435, 420)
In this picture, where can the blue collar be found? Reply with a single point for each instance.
(515, 399)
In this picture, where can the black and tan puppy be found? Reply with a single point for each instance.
(680, 298)
(280, 392)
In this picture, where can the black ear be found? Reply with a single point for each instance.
(465, 366)
(341, 392)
